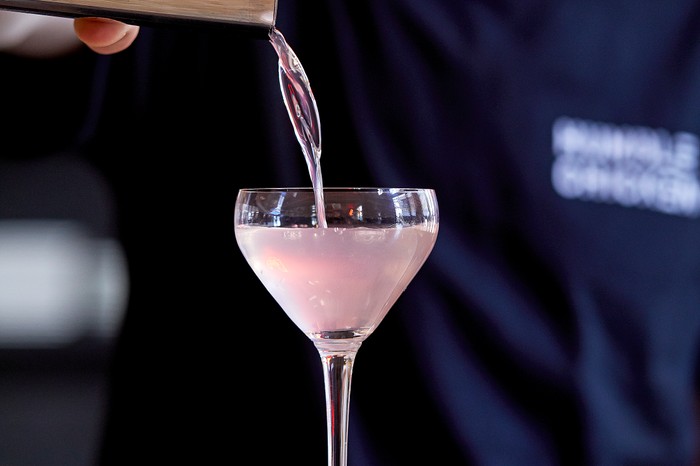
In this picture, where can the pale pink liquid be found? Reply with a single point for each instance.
(303, 113)
(336, 282)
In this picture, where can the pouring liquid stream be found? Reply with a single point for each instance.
(303, 113)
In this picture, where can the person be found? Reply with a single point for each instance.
(556, 321)
(103, 35)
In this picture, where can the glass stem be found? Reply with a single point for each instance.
(337, 357)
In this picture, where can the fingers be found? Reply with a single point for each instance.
(105, 36)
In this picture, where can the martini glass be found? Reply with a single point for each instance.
(336, 279)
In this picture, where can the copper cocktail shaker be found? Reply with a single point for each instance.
(253, 15)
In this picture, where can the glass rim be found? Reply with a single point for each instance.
(334, 189)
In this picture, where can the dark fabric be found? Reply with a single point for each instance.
(556, 322)
(44, 103)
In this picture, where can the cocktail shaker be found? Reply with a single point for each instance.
(251, 15)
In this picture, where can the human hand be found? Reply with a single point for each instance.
(105, 36)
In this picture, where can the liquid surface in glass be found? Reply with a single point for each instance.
(336, 282)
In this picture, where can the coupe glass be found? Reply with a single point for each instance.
(336, 280)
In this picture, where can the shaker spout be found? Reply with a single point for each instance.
(254, 16)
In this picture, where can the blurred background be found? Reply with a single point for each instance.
(63, 287)
(63, 279)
